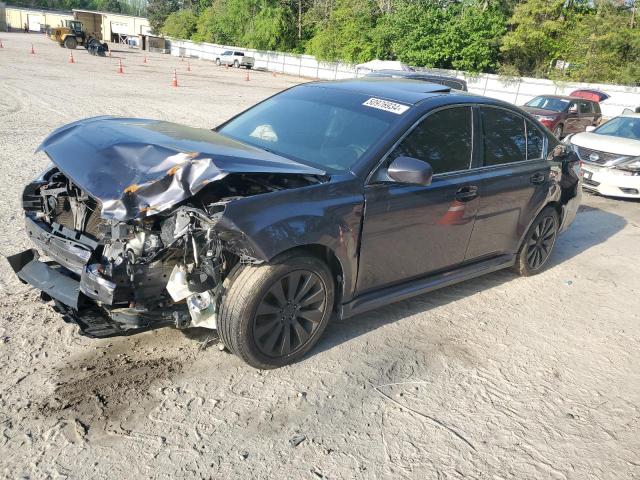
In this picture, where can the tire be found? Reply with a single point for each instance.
(538, 243)
(218, 63)
(249, 67)
(254, 325)
(236, 64)
(558, 131)
(70, 42)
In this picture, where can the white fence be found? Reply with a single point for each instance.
(514, 90)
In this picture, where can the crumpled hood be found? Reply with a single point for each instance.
(139, 167)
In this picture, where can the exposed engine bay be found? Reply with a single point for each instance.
(163, 269)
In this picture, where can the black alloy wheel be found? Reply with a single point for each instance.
(538, 243)
(289, 314)
(541, 242)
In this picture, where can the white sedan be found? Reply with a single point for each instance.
(610, 156)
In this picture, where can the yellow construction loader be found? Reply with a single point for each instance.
(70, 35)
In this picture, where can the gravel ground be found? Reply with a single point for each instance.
(499, 377)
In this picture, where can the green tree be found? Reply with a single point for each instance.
(536, 39)
(158, 11)
(604, 46)
(348, 34)
(180, 24)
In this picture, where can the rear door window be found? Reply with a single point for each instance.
(504, 136)
(585, 107)
(443, 139)
(535, 142)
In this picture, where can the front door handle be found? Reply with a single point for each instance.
(537, 178)
(466, 193)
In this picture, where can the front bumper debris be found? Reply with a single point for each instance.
(59, 284)
(48, 278)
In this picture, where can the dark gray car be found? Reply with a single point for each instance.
(326, 199)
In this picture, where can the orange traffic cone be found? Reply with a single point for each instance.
(120, 69)
(71, 60)
(188, 66)
(145, 59)
(33, 52)
(246, 79)
(109, 53)
(274, 74)
(1, 46)
(226, 66)
(174, 80)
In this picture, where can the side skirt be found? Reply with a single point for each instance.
(396, 293)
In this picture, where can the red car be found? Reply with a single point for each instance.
(564, 114)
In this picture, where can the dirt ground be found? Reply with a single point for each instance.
(500, 377)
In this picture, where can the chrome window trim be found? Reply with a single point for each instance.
(482, 168)
(413, 127)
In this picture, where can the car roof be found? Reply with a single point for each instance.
(395, 89)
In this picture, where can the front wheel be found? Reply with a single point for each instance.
(70, 42)
(236, 64)
(272, 315)
(538, 243)
(218, 62)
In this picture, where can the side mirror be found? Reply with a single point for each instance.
(590, 128)
(410, 170)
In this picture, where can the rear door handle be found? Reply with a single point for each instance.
(537, 178)
(466, 193)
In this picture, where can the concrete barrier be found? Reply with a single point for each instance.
(517, 90)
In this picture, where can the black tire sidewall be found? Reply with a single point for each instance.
(239, 324)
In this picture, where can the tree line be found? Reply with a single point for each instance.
(582, 40)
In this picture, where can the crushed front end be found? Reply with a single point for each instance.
(117, 278)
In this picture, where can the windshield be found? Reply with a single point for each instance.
(323, 127)
(549, 103)
(625, 127)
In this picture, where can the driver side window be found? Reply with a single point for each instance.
(443, 139)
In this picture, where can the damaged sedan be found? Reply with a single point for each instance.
(326, 200)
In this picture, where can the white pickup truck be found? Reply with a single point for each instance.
(235, 59)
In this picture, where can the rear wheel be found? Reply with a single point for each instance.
(538, 243)
(272, 315)
(70, 42)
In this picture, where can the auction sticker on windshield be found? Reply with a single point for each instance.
(386, 105)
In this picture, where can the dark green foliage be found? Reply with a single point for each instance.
(180, 24)
(599, 40)
(159, 10)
